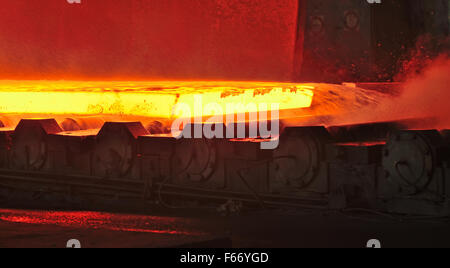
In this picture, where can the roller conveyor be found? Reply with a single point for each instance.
(388, 169)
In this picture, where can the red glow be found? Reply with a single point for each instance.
(362, 144)
(105, 221)
(228, 39)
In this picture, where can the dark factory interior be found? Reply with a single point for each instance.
(224, 124)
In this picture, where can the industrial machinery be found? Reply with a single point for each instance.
(392, 170)
(75, 142)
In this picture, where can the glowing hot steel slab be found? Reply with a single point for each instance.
(149, 99)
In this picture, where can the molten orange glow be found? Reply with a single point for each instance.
(148, 99)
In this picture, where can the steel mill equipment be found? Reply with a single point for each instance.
(88, 137)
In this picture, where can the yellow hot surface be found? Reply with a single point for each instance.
(150, 99)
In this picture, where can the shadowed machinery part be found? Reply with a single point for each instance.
(410, 159)
(5, 146)
(195, 160)
(414, 177)
(299, 155)
(405, 172)
(71, 152)
(29, 143)
(446, 135)
(115, 149)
